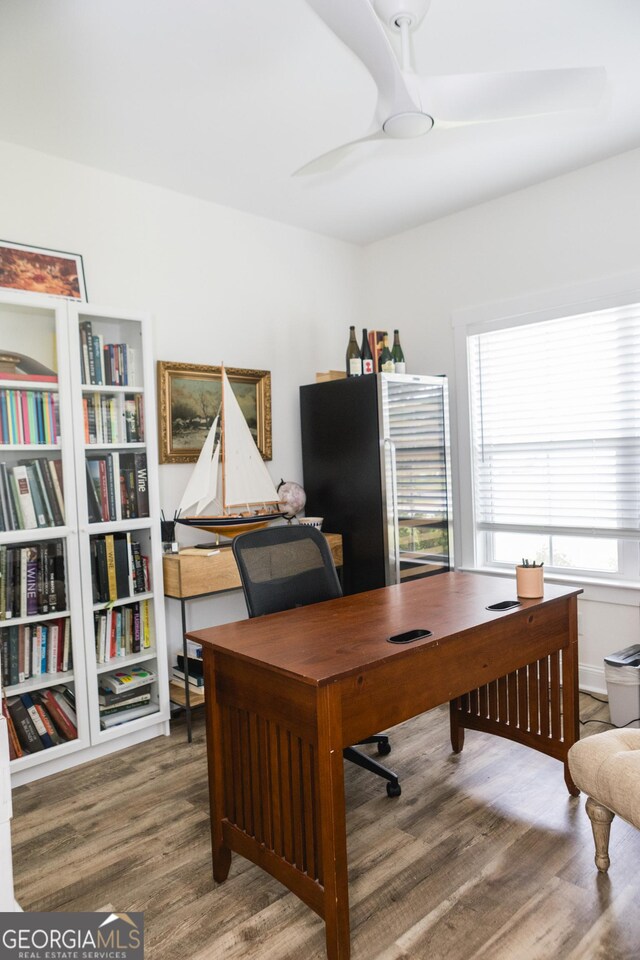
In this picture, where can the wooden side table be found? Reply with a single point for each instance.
(193, 574)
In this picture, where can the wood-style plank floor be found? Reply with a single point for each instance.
(484, 856)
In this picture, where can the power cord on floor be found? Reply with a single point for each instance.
(605, 723)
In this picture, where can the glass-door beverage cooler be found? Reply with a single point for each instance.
(376, 462)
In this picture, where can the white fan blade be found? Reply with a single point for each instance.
(327, 161)
(356, 24)
(474, 97)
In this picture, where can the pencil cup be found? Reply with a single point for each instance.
(529, 582)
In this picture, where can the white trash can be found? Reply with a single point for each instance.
(622, 673)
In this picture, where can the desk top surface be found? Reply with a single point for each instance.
(326, 641)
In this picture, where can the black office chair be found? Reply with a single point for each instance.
(282, 567)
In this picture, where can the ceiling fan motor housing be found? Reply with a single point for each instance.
(391, 12)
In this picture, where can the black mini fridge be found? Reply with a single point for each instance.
(376, 464)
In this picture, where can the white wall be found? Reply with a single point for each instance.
(220, 285)
(576, 229)
(224, 285)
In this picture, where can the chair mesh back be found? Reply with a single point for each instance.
(283, 567)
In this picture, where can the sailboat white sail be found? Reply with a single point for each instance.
(230, 489)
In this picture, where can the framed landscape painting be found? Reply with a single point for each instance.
(34, 269)
(189, 396)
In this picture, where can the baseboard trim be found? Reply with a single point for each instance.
(591, 679)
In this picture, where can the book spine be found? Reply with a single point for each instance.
(45, 719)
(32, 582)
(65, 727)
(15, 747)
(25, 499)
(24, 726)
(111, 567)
(52, 465)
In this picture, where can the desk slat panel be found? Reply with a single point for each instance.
(512, 687)
(554, 696)
(271, 788)
(539, 725)
(543, 670)
(533, 698)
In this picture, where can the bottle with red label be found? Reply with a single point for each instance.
(365, 353)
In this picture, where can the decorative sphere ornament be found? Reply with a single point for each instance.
(292, 498)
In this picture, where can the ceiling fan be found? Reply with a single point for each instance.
(410, 105)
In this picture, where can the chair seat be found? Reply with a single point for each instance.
(607, 768)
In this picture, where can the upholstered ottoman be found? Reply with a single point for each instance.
(607, 768)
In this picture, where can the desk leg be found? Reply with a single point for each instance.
(221, 854)
(187, 692)
(570, 705)
(333, 826)
(456, 728)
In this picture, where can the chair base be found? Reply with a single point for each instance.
(373, 766)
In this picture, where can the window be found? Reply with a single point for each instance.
(555, 442)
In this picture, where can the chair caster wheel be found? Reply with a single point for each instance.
(394, 789)
(384, 748)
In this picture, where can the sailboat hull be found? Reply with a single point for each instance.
(230, 526)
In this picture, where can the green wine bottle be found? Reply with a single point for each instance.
(354, 360)
(386, 359)
(397, 354)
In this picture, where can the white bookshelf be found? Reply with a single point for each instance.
(48, 329)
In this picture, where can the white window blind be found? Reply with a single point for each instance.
(555, 422)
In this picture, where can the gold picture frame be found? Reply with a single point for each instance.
(189, 398)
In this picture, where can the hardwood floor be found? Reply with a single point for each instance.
(483, 856)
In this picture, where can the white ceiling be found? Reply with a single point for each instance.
(223, 100)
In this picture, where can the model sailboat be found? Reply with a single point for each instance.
(230, 490)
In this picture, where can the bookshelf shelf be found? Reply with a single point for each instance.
(53, 334)
(44, 680)
(121, 663)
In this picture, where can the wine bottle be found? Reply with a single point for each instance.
(397, 354)
(365, 353)
(386, 359)
(354, 360)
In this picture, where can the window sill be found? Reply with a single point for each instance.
(625, 592)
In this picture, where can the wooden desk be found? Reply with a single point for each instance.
(286, 693)
(192, 576)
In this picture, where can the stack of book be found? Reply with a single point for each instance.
(125, 695)
(118, 567)
(31, 494)
(32, 649)
(117, 486)
(29, 416)
(108, 364)
(195, 666)
(32, 579)
(122, 630)
(39, 720)
(118, 419)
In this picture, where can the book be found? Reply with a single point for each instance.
(122, 567)
(112, 583)
(93, 499)
(107, 698)
(194, 649)
(61, 721)
(45, 719)
(141, 485)
(64, 706)
(118, 706)
(15, 747)
(31, 581)
(24, 497)
(121, 679)
(124, 716)
(24, 726)
(194, 681)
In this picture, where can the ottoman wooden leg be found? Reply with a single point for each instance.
(601, 825)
